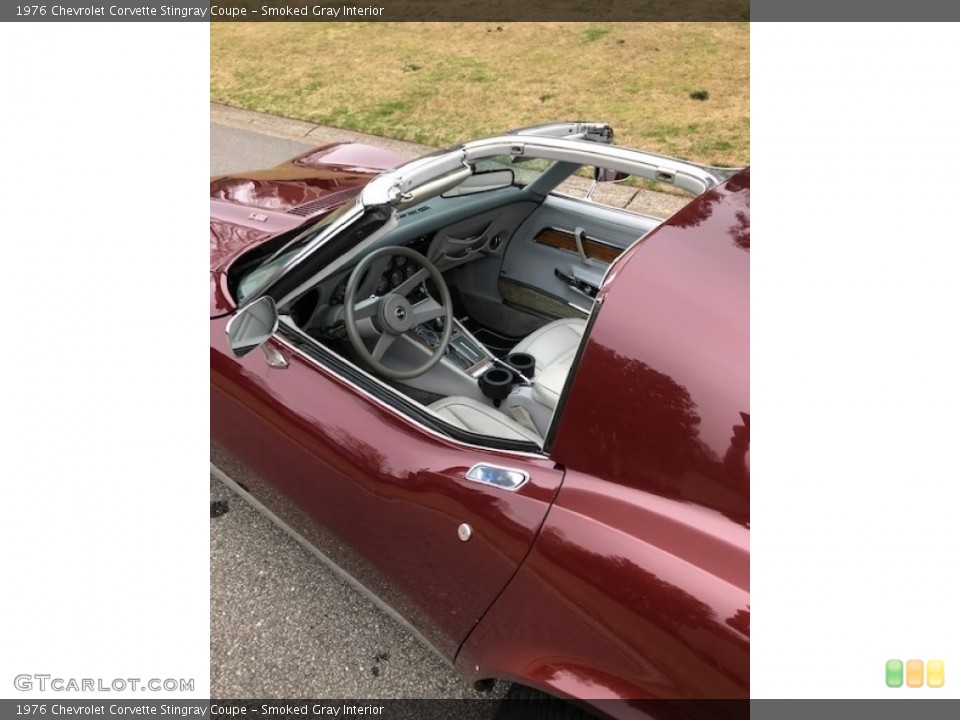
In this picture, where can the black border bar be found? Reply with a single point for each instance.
(374, 10)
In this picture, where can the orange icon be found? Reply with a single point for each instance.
(914, 673)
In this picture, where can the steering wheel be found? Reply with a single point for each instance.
(389, 316)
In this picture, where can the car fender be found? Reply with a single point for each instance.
(625, 595)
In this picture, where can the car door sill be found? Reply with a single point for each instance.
(339, 571)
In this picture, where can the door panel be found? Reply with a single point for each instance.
(380, 495)
(562, 251)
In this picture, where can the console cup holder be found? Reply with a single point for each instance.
(496, 383)
(523, 364)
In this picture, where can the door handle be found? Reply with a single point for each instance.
(578, 234)
(501, 477)
(576, 284)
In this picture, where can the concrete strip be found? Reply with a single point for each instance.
(261, 122)
(308, 132)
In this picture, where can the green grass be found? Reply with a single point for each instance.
(442, 83)
(594, 33)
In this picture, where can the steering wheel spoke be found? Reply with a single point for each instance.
(411, 283)
(366, 308)
(383, 342)
(426, 310)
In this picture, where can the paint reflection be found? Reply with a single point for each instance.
(649, 437)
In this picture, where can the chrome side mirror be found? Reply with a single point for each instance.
(607, 175)
(604, 175)
(252, 326)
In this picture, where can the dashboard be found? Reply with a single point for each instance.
(320, 310)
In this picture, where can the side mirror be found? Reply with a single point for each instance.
(607, 175)
(604, 175)
(252, 326)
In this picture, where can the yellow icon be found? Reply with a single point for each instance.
(935, 673)
(914, 673)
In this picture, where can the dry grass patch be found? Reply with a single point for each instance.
(441, 83)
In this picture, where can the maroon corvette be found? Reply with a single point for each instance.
(518, 419)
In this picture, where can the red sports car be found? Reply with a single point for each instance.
(516, 418)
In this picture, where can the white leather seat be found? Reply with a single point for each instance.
(548, 385)
(474, 416)
(556, 341)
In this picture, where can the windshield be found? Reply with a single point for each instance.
(270, 267)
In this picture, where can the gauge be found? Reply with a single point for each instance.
(396, 277)
(411, 271)
(400, 261)
(384, 285)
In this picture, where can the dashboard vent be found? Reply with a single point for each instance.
(326, 201)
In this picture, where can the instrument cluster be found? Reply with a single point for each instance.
(400, 268)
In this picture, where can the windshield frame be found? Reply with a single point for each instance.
(294, 250)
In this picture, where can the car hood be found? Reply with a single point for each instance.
(307, 184)
(247, 209)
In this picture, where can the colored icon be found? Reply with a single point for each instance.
(914, 673)
(894, 673)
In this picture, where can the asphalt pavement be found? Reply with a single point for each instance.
(282, 625)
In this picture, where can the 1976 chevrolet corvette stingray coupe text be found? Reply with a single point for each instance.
(517, 419)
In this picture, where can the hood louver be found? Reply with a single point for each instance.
(326, 201)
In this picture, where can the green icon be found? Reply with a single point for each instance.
(894, 673)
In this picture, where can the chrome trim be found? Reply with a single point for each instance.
(390, 187)
(615, 157)
(578, 308)
(275, 358)
(480, 368)
(592, 131)
(348, 218)
(337, 570)
(476, 474)
(287, 323)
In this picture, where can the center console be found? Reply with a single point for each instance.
(464, 351)
(468, 368)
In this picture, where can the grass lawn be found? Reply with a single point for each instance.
(676, 88)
